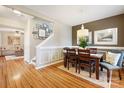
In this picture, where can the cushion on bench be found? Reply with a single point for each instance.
(119, 64)
(109, 66)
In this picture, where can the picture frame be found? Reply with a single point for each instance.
(89, 38)
(106, 37)
(13, 40)
(42, 33)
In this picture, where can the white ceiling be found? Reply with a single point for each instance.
(8, 13)
(5, 29)
(77, 14)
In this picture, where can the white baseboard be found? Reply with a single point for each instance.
(32, 63)
(27, 61)
(39, 67)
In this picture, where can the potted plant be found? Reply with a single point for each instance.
(83, 42)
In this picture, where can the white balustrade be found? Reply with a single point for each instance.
(48, 55)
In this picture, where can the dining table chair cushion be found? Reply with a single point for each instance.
(121, 59)
(109, 66)
(112, 67)
(113, 58)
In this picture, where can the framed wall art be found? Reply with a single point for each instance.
(106, 37)
(90, 38)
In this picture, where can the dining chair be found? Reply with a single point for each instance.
(72, 58)
(93, 51)
(65, 51)
(109, 67)
(85, 61)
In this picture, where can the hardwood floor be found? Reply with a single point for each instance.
(18, 74)
(117, 83)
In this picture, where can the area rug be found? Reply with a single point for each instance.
(13, 57)
(85, 75)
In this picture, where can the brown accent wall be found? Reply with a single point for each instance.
(110, 22)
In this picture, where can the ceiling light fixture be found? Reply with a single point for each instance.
(82, 33)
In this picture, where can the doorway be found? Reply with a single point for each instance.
(12, 26)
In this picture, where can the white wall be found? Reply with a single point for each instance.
(62, 36)
(51, 51)
(62, 32)
(0, 40)
(35, 42)
(11, 23)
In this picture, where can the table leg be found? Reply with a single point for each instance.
(65, 61)
(97, 68)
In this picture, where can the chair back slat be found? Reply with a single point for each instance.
(71, 52)
(72, 57)
(84, 55)
(84, 59)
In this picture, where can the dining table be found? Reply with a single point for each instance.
(97, 57)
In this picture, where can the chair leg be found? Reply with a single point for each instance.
(119, 71)
(79, 67)
(65, 62)
(76, 67)
(68, 65)
(108, 75)
(90, 71)
(93, 68)
(101, 68)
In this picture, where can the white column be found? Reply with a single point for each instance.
(27, 39)
(0, 39)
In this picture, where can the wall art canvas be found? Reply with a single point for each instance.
(106, 37)
(89, 38)
(13, 40)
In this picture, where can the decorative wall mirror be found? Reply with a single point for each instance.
(41, 31)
